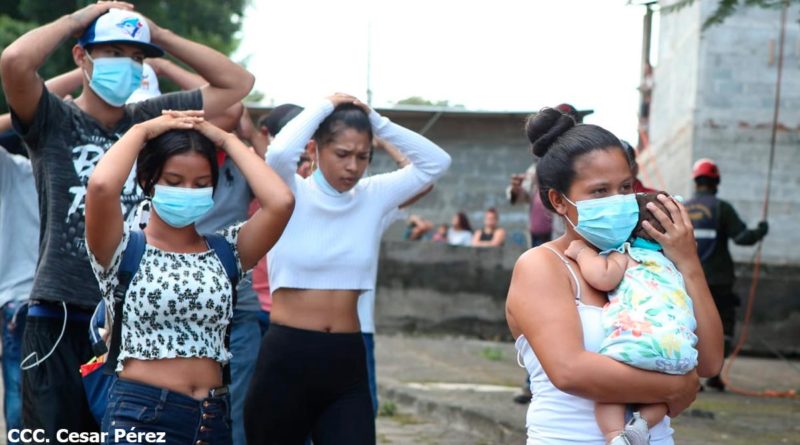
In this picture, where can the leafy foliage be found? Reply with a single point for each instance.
(215, 23)
(726, 8)
(417, 100)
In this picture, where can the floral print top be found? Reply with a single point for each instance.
(177, 305)
(649, 319)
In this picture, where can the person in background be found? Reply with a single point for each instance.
(460, 233)
(19, 250)
(417, 228)
(715, 222)
(440, 236)
(66, 140)
(491, 235)
(260, 137)
(540, 221)
(366, 301)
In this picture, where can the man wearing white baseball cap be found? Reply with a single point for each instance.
(65, 141)
(148, 88)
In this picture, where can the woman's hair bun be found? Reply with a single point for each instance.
(544, 127)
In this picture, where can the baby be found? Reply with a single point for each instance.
(649, 319)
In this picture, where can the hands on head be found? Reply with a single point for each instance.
(185, 120)
(85, 16)
(343, 98)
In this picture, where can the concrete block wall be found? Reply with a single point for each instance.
(668, 159)
(426, 287)
(733, 120)
(485, 152)
(713, 97)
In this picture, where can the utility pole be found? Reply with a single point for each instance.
(369, 61)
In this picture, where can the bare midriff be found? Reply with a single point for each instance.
(334, 311)
(191, 376)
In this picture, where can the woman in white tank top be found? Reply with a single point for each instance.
(556, 317)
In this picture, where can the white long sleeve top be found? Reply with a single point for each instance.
(332, 240)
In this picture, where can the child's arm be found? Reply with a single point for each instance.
(602, 272)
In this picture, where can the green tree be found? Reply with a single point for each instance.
(417, 100)
(215, 23)
(726, 8)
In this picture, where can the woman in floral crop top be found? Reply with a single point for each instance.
(179, 302)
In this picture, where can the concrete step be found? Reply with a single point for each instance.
(468, 385)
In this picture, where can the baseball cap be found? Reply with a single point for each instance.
(705, 167)
(148, 89)
(120, 26)
(578, 115)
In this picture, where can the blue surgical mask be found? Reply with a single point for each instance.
(606, 222)
(114, 79)
(182, 206)
(323, 183)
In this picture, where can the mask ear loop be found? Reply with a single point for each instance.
(85, 74)
(565, 215)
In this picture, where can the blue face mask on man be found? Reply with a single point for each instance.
(114, 79)
(182, 206)
(606, 222)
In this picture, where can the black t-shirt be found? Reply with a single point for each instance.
(65, 145)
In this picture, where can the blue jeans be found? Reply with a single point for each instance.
(12, 356)
(245, 343)
(263, 321)
(369, 345)
(135, 408)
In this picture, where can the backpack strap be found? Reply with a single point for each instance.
(224, 252)
(97, 321)
(131, 258)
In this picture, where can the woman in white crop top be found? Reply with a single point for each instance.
(179, 302)
(555, 315)
(311, 374)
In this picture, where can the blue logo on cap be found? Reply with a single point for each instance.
(130, 26)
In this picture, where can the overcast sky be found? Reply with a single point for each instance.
(498, 55)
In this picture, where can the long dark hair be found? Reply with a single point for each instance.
(558, 141)
(151, 160)
(463, 221)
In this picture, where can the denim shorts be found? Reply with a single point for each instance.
(139, 413)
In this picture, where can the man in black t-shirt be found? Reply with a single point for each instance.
(65, 142)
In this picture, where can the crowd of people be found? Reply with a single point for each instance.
(459, 232)
(153, 209)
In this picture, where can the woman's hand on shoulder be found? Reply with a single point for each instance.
(169, 120)
(677, 240)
